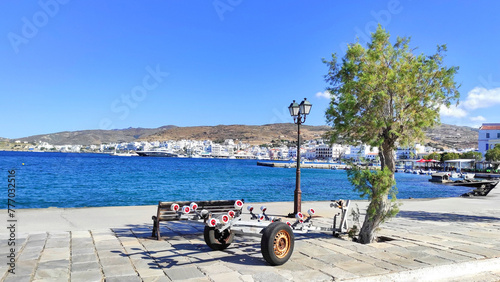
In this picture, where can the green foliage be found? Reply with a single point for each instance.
(493, 154)
(384, 95)
(385, 92)
(450, 156)
(376, 185)
(472, 155)
(353, 232)
(433, 156)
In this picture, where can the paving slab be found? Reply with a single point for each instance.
(85, 257)
(52, 273)
(84, 266)
(87, 276)
(118, 270)
(183, 272)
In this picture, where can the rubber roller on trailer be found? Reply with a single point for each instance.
(223, 218)
(193, 206)
(250, 209)
(174, 207)
(311, 212)
(231, 214)
(204, 213)
(212, 222)
(186, 209)
(238, 204)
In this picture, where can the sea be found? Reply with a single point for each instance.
(72, 180)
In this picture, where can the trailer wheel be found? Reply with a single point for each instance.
(277, 243)
(217, 240)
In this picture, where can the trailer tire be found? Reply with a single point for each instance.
(217, 240)
(277, 243)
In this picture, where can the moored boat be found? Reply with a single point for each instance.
(156, 153)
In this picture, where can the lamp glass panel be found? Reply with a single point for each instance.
(305, 107)
(294, 109)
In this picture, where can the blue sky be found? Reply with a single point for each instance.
(74, 65)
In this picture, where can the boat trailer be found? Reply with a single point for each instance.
(222, 220)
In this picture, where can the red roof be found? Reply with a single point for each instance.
(490, 126)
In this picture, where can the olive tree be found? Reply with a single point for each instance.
(493, 154)
(383, 95)
(434, 156)
(472, 155)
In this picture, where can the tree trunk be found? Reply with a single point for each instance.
(371, 223)
(387, 157)
(379, 204)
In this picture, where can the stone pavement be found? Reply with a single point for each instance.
(430, 240)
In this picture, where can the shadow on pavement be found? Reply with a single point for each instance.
(445, 217)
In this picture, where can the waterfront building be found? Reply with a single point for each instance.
(324, 152)
(414, 152)
(371, 156)
(489, 136)
(357, 153)
(311, 153)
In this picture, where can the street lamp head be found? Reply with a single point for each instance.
(305, 107)
(294, 109)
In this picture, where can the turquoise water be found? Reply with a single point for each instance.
(95, 180)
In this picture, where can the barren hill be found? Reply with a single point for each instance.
(252, 134)
(89, 137)
(452, 136)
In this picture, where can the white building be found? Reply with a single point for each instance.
(489, 136)
(363, 151)
(415, 152)
(311, 153)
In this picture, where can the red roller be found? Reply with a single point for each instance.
(250, 208)
(231, 214)
(212, 222)
(186, 209)
(261, 217)
(289, 223)
(224, 218)
(193, 206)
(263, 208)
(238, 204)
(174, 207)
(299, 216)
(311, 212)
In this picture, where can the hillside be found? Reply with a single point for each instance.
(252, 134)
(89, 137)
(452, 136)
(443, 136)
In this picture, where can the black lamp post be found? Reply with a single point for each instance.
(299, 113)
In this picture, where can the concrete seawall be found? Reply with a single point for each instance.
(304, 165)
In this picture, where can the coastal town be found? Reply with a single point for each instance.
(311, 150)
(317, 149)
